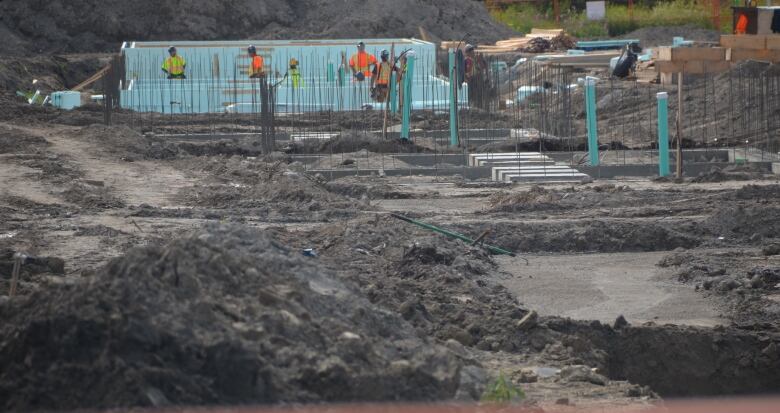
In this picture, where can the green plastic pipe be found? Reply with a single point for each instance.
(590, 110)
(453, 99)
(393, 92)
(341, 75)
(663, 133)
(407, 112)
(492, 249)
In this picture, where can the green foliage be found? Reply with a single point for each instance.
(618, 21)
(502, 391)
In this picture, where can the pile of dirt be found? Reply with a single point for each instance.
(441, 286)
(12, 140)
(64, 26)
(732, 173)
(255, 183)
(353, 141)
(583, 235)
(128, 144)
(355, 187)
(663, 35)
(737, 278)
(91, 197)
(535, 198)
(753, 224)
(225, 315)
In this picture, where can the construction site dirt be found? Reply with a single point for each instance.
(161, 249)
(164, 260)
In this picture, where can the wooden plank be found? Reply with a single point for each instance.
(773, 42)
(743, 41)
(695, 67)
(684, 54)
(553, 32)
(738, 55)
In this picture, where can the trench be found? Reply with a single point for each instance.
(677, 361)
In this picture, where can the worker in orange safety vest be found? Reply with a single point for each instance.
(361, 62)
(256, 67)
(381, 77)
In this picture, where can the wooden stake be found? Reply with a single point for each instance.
(679, 170)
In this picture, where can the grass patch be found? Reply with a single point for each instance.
(523, 18)
(502, 391)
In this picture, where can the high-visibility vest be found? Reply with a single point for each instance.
(383, 73)
(361, 62)
(742, 24)
(174, 65)
(257, 65)
(295, 78)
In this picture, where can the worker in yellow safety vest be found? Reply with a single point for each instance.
(174, 65)
(295, 74)
(380, 81)
(361, 62)
(257, 66)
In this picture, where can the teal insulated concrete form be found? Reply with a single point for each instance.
(663, 133)
(217, 77)
(590, 110)
(66, 100)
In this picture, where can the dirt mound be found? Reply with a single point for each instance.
(14, 141)
(663, 35)
(354, 141)
(751, 223)
(731, 173)
(88, 196)
(253, 183)
(224, 316)
(127, 143)
(535, 198)
(358, 188)
(65, 26)
(441, 286)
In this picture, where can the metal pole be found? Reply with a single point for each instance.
(663, 133)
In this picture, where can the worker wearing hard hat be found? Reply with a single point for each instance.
(294, 74)
(174, 65)
(381, 77)
(361, 62)
(257, 65)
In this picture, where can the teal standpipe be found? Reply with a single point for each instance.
(407, 109)
(393, 92)
(331, 72)
(453, 99)
(663, 133)
(590, 110)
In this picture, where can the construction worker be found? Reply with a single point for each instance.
(381, 77)
(475, 74)
(256, 67)
(361, 62)
(295, 74)
(174, 65)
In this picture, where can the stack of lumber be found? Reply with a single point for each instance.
(733, 49)
(511, 45)
(751, 47)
